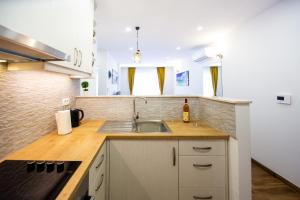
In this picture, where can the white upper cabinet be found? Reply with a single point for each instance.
(84, 33)
(66, 25)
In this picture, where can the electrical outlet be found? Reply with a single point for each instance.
(66, 101)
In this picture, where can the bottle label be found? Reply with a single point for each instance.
(186, 116)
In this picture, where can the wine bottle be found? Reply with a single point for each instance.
(186, 111)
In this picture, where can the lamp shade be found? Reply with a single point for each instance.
(137, 57)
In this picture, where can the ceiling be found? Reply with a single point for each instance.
(167, 24)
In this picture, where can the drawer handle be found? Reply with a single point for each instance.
(93, 60)
(198, 197)
(101, 161)
(202, 148)
(202, 165)
(75, 56)
(79, 62)
(174, 156)
(101, 181)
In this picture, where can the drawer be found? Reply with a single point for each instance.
(98, 166)
(202, 193)
(202, 171)
(99, 187)
(100, 159)
(201, 147)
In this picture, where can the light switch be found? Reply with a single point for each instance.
(283, 99)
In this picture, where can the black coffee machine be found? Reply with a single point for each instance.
(75, 117)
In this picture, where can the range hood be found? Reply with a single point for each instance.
(16, 47)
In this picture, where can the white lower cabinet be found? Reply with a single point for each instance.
(202, 170)
(97, 175)
(156, 169)
(143, 170)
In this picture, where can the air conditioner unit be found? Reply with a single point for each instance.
(203, 54)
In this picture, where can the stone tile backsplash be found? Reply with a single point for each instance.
(166, 108)
(219, 115)
(114, 108)
(28, 101)
(110, 108)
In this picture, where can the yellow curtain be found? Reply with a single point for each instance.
(131, 73)
(214, 78)
(161, 78)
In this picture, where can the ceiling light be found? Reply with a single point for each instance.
(137, 57)
(131, 49)
(199, 28)
(178, 48)
(128, 29)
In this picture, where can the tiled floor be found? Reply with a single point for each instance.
(267, 187)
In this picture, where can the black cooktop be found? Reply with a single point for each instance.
(34, 180)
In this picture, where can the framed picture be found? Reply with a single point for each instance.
(109, 74)
(182, 78)
(115, 77)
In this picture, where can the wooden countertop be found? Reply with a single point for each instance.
(84, 143)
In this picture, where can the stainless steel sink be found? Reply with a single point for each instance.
(138, 127)
(151, 126)
(116, 126)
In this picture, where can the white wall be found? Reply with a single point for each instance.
(124, 87)
(195, 73)
(104, 63)
(261, 60)
(169, 81)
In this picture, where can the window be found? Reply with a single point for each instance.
(146, 82)
(207, 83)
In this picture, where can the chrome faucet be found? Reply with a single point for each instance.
(136, 114)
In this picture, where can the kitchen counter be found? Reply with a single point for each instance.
(84, 143)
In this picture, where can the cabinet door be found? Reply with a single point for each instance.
(45, 21)
(143, 169)
(66, 25)
(32, 18)
(84, 33)
(97, 175)
(100, 185)
(63, 30)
